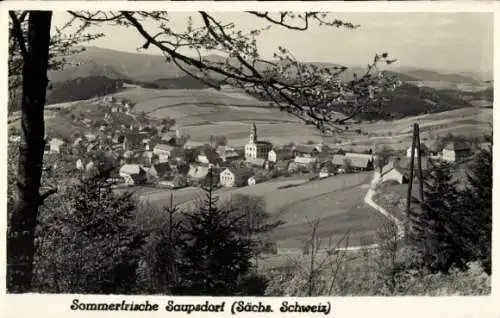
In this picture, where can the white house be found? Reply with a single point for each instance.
(235, 177)
(55, 145)
(276, 155)
(163, 152)
(133, 174)
(456, 152)
(79, 164)
(202, 158)
(392, 171)
(423, 151)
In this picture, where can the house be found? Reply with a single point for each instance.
(168, 137)
(394, 172)
(360, 161)
(79, 164)
(456, 151)
(132, 142)
(306, 151)
(399, 169)
(256, 162)
(203, 158)
(90, 137)
(282, 165)
(235, 177)
(230, 155)
(133, 174)
(305, 160)
(338, 160)
(55, 145)
(160, 171)
(163, 151)
(227, 153)
(276, 155)
(433, 151)
(325, 169)
(192, 144)
(424, 151)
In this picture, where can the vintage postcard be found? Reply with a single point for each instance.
(284, 159)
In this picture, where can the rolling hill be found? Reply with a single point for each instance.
(98, 71)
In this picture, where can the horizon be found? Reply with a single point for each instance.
(461, 41)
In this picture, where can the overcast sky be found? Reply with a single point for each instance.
(452, 41)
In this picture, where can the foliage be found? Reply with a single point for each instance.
(215, 255)
(437, 229)
(478, 205)
(93, 244)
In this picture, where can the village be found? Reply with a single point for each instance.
(140, 151)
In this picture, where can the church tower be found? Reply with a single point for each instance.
(253, 134)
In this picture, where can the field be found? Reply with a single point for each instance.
(472, 121)
(337, 201)
(229, 112)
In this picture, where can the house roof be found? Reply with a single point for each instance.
(257, 161)
(192, 144)
(457, 146)
(402, 164)
(282, 154)
(338, 159)
(358, 162)
(359, 155)
(305, 149)
(164, 147)
(198, 171)
(241, 175)
(130, 169)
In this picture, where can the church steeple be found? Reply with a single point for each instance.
(253, 134)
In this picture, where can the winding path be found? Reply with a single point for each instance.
(368, 199)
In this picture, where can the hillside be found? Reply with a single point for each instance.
(97, 72)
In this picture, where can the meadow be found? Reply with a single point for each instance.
(336, 201)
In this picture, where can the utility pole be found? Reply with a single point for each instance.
(415, 149)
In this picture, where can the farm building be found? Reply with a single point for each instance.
(133, 174)
(399, 169)
(276, 155)
(456, 152)
(424, 151)
(255, 148)
(163, 151)
(306, 151)
(235, 177)
(338, 160)
(360, 161)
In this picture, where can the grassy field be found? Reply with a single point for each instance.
(336, 201)
(229, 112)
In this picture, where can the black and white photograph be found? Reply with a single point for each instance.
(249, 153)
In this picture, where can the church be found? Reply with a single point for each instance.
(256, 149)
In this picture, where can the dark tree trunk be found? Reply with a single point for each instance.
(23, 220)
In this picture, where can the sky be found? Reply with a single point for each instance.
(455, 41)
